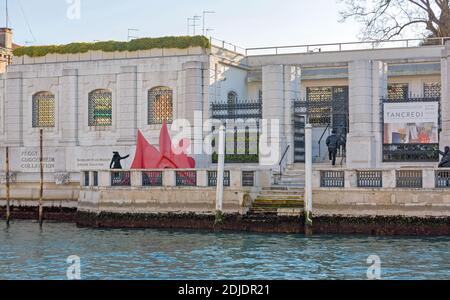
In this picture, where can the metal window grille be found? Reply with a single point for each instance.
(100, 108)
(43, 110)
(248, 178)
(160, 105)
(95, 178)
(121, 178)
(409, 179)
(432, 90)
(369, 179)
(186, 178)
(152, 178)
(212, 178)
(86, 178)
(398, 91)
(442, 179)
(332, 179)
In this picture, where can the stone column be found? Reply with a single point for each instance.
(14, 109)
(193, 107)
(368, 82)
(292, 92)
(273, 86)
(445, 97)
(127, 105)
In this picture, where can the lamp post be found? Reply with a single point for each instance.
(204, 14)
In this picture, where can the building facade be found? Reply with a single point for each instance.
(93, 103)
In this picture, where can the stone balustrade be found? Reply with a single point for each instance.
(187, 178)
(426, 178)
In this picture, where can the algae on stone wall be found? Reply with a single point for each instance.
(178, 42)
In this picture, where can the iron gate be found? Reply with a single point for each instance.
(324, 107)
(240, 110)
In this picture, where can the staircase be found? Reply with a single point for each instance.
(285, 197)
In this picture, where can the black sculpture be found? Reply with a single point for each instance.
(115, 162)
(445, 162)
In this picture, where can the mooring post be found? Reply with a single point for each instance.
(308, 179)
(41, 167)
(8, 208)
(220, 174)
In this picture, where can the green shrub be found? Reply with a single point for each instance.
(179, 42)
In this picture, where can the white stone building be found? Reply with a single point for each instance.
(92, 104)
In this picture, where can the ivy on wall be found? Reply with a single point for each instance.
(179, 42)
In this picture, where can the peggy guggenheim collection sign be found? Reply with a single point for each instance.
(411, 123)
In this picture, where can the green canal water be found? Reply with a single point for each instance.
(26, 252)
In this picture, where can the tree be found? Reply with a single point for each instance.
(386, 19)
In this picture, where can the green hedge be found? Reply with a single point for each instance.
(179, 42)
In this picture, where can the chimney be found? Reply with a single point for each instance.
(6, 38)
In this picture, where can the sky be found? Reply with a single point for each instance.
(246, 23)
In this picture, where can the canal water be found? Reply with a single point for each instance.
(26, 252)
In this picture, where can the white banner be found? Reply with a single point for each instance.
(411, 123)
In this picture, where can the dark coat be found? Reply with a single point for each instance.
(333, 142)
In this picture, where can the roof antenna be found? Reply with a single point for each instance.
(7, 16)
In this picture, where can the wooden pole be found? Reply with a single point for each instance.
(8, 208)
(41, 167)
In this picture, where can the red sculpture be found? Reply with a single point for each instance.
(148, 157)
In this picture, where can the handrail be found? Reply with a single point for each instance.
(323, 134)
(227, 46)
(367, 45)
(282, 159)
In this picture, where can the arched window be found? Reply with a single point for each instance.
(160, 105)
(43, 110)
(100, 108)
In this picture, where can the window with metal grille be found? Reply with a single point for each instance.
(330, 179)
(95, 178)
(409, 179)
(432, 90)
(152, 178)
(160, 105)
(86, 178)
(122, 178)
(248, 178)
(212, 178)
(369, 179)
(43, 110)
(398, 91)
(186, 178)
(442, 179)
(100, 108)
